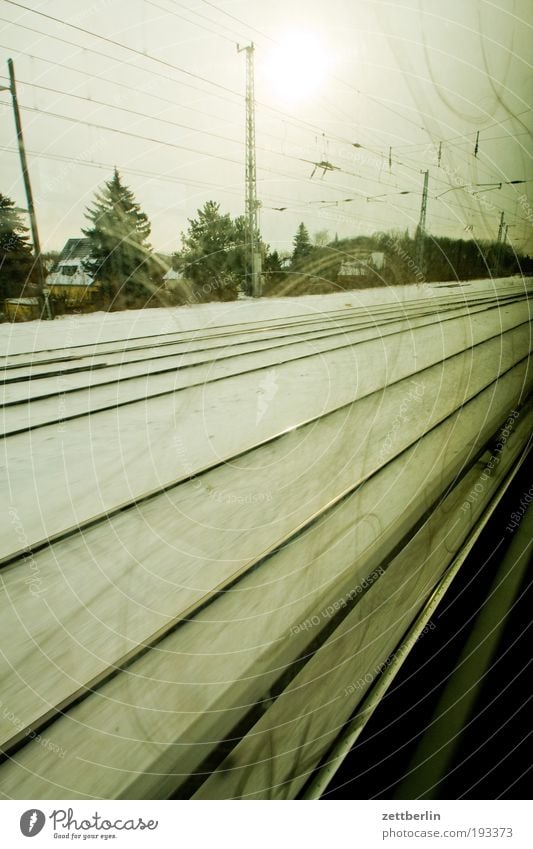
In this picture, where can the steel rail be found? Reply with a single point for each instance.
(167, 392)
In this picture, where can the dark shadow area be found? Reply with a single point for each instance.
(494, 756)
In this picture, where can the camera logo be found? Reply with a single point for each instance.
(32, 822)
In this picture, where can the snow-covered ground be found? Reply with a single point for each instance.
(63, 474)
(70, 330)
(254, 546)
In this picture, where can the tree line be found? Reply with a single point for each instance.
(211, 262)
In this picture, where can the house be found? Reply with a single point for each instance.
(377, 259)
(22, 309)
(68, 281)
(172, 277)
(363, 264)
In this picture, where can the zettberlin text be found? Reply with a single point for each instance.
(407, 815)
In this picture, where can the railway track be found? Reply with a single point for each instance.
(124, 388)
(16, 370)
(227, 330)
(166, 640)
(133, 458)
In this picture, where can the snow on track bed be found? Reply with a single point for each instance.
(64, 475)
(67, 332)
(64, 401)
(85, 358)
(195, 592)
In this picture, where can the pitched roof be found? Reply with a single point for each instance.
(75, 248)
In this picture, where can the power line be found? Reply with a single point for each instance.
(172, 123)
(57, 157)
(119, 44)
(290, 203)
(188, 20)
(218, 85)
(462, 137)
(182, 147)
(298, 124)
(133, 89)
(166, 178)
(377, 100)
(237, 20)
(129, 111)
(135, 112)
(129, 133)
(126, 47)
(112, 58)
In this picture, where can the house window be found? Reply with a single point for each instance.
(68, 270)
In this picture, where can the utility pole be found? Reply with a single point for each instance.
(253, 247)
(421, 229)
(27, 187)
(502, 233)
(501, 227)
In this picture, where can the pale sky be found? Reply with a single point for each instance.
(329, 75)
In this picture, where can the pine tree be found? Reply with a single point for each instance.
(121, 258)
(302, 244)
(213, 253)
(272, 263)
(16, 259)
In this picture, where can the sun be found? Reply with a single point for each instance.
(297, 67)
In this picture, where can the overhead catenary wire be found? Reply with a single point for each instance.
(93, 101)
(143, 115)
(290, 204)
(155, 5)
(175, 145)
(128, 48)
(226, 89)
(221, 90)
(300, 125)
(289, 119)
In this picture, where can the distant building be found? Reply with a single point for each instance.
(378, 259)
(68, 280)
(172, 276)
(363, 264)
(22, 309)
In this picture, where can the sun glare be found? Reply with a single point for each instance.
(297, 67)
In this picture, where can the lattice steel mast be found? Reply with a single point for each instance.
(421, 229)
(253, 246)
